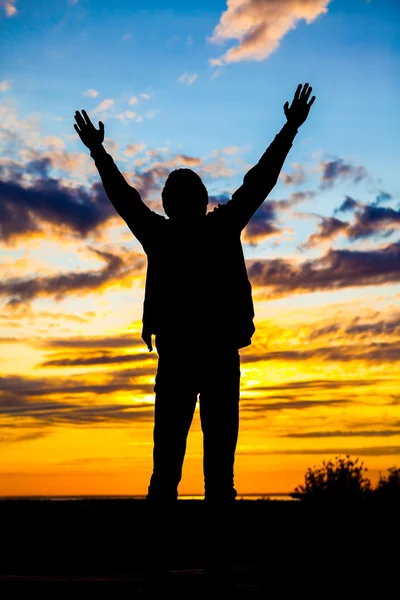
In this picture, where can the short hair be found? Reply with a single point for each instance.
(172, 195)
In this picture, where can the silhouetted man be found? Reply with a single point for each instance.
(198, 304)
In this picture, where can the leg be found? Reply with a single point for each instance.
(176, 397)
(175, 403)
(219, 413)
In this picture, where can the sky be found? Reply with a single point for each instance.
(199, 85)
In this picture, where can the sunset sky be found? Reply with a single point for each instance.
(199, 84)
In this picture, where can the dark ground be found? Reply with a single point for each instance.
(287, 548)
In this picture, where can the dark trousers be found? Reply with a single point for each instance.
(183, 373)
(213, 373)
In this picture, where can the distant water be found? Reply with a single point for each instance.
(183, 497)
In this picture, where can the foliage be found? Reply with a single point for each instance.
(341, 479)
(389, 486)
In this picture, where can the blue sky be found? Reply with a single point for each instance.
(350, 55)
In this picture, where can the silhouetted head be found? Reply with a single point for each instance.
(184, 195)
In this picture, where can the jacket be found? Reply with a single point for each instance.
(196, 281)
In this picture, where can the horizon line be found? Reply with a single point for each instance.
(32, 496)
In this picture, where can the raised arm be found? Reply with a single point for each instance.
(262, 178)
(125, 198)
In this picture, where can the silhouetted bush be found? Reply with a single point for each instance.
(388, 487)
(340, 480)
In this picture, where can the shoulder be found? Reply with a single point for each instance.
(222, 220)
(218, 213)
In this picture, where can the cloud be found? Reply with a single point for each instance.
(145, 96)
(149, 180)
(49, 413)
(373, 220)
(328, 229)
(133, 149)
(293, 404)
(329, 434)
(337, 269)
(5, 85)
(327, 330)
(263, 225)
(337, 170)
(369, 220)
(296, 178)
(120, 341)
(186, 78)
(103, 106)
(32, 402)
(9, 7)
(11, 435)
(216, 73)
(389, 327)
(127, 36)
(91, 93)
(56, 316)
(57, 286)
(368, 451)
(294, 199)
(23, 143)
(347, 205)
(376, 352)
(217, 168)
(231, 150)
(17, 390)
(127, 114)
(383, 197)
(316, 384)
(103, 359)
(24, 209)
(260, 25)
(181, 160)
(133, 100)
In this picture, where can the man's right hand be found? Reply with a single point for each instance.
(90, 136)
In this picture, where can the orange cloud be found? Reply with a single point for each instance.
(9, 7)
(133, 149)
(180, 160)
(116, 269)
(259, 26)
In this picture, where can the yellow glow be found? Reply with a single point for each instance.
(301, 382)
